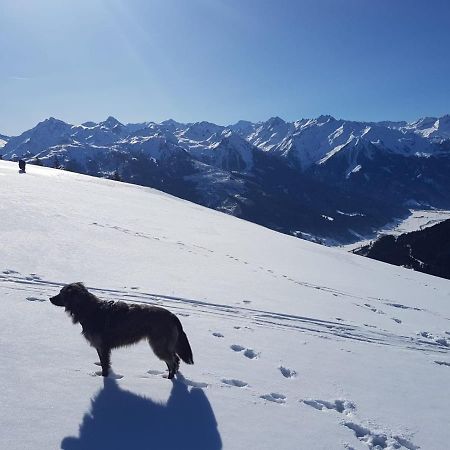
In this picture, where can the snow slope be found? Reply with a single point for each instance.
(296, 345)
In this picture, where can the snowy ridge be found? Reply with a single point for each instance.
(295, 345)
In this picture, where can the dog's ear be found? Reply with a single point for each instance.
(75, 288)
(74, 293)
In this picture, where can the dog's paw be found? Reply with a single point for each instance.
(111, 375)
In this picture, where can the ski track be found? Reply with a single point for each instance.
(244, 315)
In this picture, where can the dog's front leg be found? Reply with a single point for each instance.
(104, 354)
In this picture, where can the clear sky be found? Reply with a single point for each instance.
(222, 60)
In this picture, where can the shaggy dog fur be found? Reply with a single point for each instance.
(108, 325)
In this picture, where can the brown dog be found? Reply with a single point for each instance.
(108, 325)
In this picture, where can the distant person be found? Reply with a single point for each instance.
(22, 165)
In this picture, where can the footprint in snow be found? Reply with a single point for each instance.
(287, 373)
(340, 406)
(274, 397)
(219, 335)
(155, 372)
(234, 382)
(35, 299)
(250, 354)
(191, 383)
(237, 348)
(112, 375)
(376, 440)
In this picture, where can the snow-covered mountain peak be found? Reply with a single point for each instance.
(53, 124)
(200, 131)
(275, 122)
(3, 140)
(243, 127)
(325, 118)
(433, 128)
(111, 122)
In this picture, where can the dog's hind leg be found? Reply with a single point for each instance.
(104, 353)
(163, 351)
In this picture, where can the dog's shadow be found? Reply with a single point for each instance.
(120, 419)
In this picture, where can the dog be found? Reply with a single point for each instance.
(107, 325)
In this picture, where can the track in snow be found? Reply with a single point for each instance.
(240, 316)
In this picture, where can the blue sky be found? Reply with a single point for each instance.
(222, 60)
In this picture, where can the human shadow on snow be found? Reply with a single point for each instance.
(120, 419)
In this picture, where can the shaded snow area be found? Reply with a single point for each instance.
(417, 220)
(296, 345)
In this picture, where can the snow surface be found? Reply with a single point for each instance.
(296, 345)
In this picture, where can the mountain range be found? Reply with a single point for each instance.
(329, 180)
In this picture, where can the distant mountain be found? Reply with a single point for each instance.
(3, 140)
(326, 179)
(427, 250)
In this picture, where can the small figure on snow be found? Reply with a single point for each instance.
(22, 165)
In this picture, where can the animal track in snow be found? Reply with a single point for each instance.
(287, 373)
(234, 382)
(219, 335)
(274, 397)
(341, 406)
(237, 348)
(36, 299)
(439, 340)
(375, 440)
(192, 383)
(250, 354)
(111, 375)
(378, 441)
(155, 372)
(373, 309)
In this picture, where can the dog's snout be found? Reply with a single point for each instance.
(55, 300)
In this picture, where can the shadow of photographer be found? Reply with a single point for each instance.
(120, 419)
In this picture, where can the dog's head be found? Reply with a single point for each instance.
(69, 295)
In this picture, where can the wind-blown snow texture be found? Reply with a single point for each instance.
(326, 179)
(296, 345)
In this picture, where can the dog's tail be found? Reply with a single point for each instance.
(183, 347)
